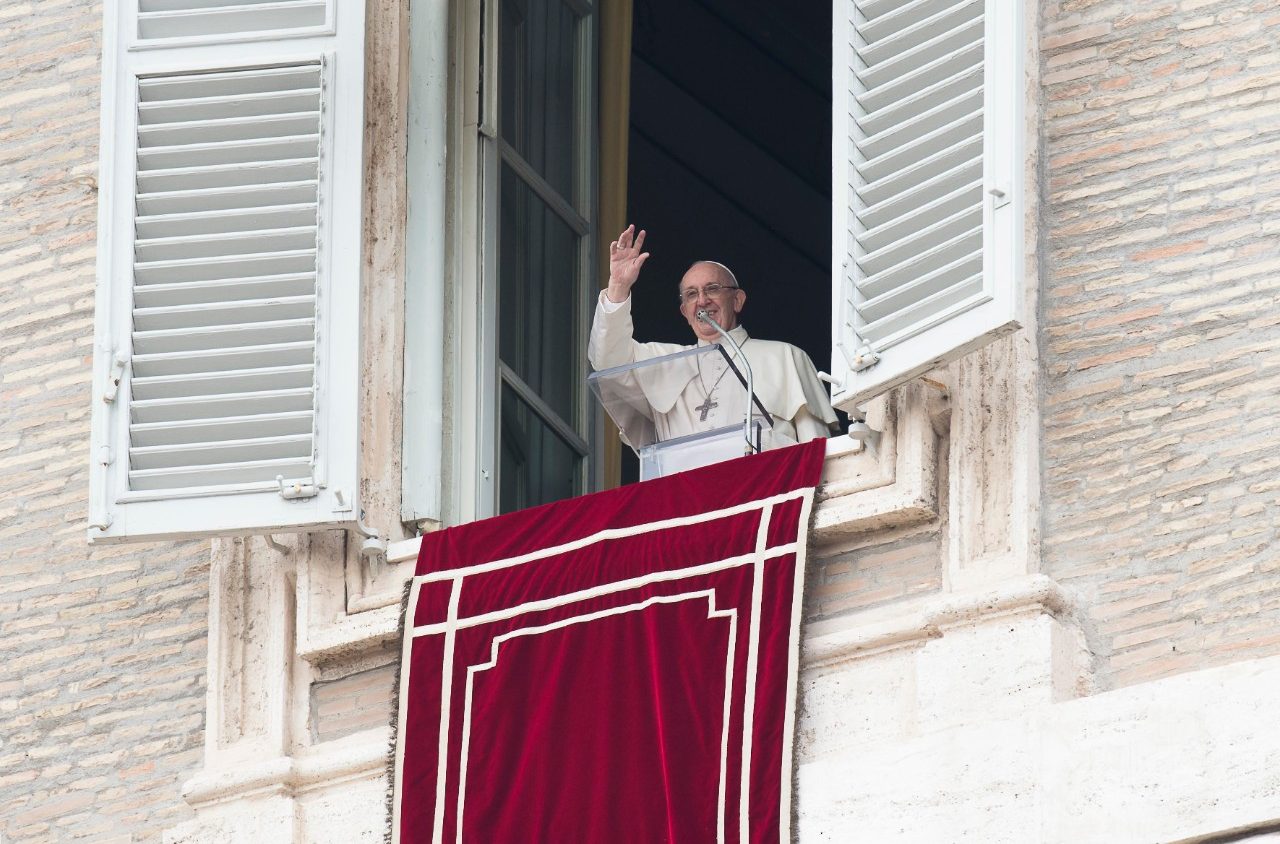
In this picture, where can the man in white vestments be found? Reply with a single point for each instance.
(708, 396)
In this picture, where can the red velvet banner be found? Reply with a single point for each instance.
(612, 668)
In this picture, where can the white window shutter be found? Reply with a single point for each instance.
(227, 326)
(926, 186)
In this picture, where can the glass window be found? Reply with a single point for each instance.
(543, 243)
(538, 308)
(538, 88)
(537, 466)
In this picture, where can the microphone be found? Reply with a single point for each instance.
(751, 392)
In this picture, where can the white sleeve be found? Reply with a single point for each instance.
(609, 306)
(610, 343)
(809, 427)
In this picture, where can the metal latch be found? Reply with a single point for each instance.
(864, 358)
(298, 488)
(114, 377)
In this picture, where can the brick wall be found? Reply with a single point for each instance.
(359, 701)
(102, 678)
(881, 569)
(1161, 327)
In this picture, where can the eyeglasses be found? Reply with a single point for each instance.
(693, 294)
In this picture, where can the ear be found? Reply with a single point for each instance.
(739, 299)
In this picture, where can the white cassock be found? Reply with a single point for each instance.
(691, 399)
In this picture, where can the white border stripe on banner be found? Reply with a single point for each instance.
(753, 659)
(758, 558)
(616, 533)
(793, 673)
(446, 704)
(603, 590)
(712, 612)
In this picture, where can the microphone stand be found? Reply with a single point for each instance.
(751, 392)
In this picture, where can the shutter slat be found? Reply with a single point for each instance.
(227, 451)
(899, 64)
(905, 202)
(274, 217)
(266, 104)
(180, 5)
(918, 125)
(911, 320)
(266, 150)
(189, 132)
(872, 9)
(942, 139)
(234, 266)
(916, 220)
(246, 311)
(230, 474)
(232, 404)
(921, 287)
(899, 89)
(937, 93)
(223, 336)
(218, 429)
(913, 244)
(252, 176)
(227, 198)
(242, 82)
(223, 290)
(921, 263)
(225, 244)
(941, 162)
(204, 21)
(901, 16)
(213, 360)
(223, 382)
(914, 24)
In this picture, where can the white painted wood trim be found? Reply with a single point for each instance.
(425, 263)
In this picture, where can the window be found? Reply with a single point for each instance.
(543, 233)
(226, 356)
(927, 186)
(229, 266)
(540, 156)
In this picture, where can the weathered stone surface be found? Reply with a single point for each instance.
(1159, 329)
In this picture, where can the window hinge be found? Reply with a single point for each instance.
(297, 488)
(999, 195)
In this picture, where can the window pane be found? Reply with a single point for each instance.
(537, 305)
(539, 50)
(537, 466)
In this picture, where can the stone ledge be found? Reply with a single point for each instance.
(925, 618)
(861, 490)
(351, 635)
(893, 486)
(332, 763)
(1189, 758)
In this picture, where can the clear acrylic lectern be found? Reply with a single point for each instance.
(642, 399)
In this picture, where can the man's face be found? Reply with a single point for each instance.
(723, 307)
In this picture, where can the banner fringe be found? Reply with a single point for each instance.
(389, 830)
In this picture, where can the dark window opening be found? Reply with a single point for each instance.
(730, 160)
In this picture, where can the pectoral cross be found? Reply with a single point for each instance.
(705, 408)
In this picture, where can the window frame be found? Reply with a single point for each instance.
(117, 514)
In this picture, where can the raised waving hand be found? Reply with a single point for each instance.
(625, 261)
